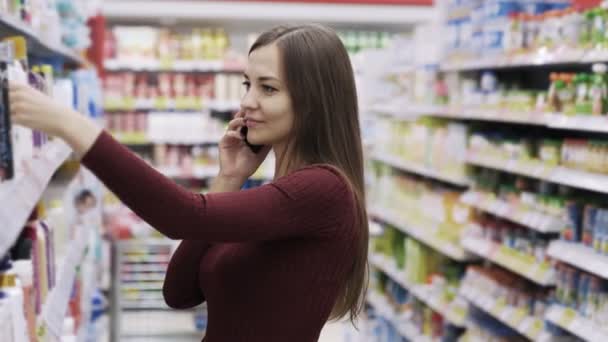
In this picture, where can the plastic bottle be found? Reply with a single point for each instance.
(567, 93)
(583, 99)
(598, 89)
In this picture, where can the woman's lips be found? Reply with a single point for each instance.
(253, 123)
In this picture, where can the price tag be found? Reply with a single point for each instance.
(568, 315)
(526, 324)
(507, 314)
(536, 329)
(577, 325)
(518, 316)
(498, 307)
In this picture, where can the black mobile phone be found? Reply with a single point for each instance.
(254, 148)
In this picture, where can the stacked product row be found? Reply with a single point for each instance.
(41, 295)
(145, 44)
(178, 91)
(421, 283)
(19, 144)
(55, 21)
(178, 127)
(488, 28)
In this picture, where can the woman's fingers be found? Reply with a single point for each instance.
(234, 135)
(235, 124)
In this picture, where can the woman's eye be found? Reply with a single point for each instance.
(268, 89)
(247, 84)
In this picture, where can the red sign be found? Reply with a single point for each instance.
(359, 2)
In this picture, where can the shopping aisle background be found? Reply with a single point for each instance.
(485, 127)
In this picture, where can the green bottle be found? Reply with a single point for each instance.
(583, 100)
(598, 89)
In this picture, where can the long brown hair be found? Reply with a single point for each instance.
(321, 83)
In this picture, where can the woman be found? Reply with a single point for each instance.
(276, 262)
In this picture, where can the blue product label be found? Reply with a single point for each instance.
(495, 9)
(493, 41)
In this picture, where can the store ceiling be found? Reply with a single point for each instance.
(258, 14)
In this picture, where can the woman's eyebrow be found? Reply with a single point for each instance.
(267, 78)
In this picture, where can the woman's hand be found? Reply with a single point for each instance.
(237, 161)
(34, 109)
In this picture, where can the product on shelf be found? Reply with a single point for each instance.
(578, 153)
(19, 144)
(355, 41)
(143, 44)
(165, 127)
(489, 28)
(438, 145)
(427, 275)
(420, 203)
(585, 293)
(509, 288)
(33, 288)
(178, 91)
(55, 21)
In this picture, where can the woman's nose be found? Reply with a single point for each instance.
(249, 100)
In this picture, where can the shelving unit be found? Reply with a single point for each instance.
(538, 221)
(420, 170)
(555, 174)
(38, 46)
(580, 256)
(423, 234)
(454, 313)
(581, 326)
(403, 326)
(530, 327)
(522, 264)
(20, 196)
(192, 66)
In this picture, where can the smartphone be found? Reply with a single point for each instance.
(254, 148)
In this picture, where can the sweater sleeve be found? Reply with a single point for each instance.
(181, 288)
(313, 200)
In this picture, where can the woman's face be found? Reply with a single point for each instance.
(266, 103)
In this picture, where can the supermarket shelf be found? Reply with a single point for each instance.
(579, 122)
(555, 174)
(581, 326)
(151, 142)
(423, 234)
(512, 260)
(528, 326)
(141, 286)
(420, 170)
(150, 304)
(153, 65)
(540, 58)
(404, 326)
(269, 13)
(135, 268)
(538, 221)
(19, 196)
(143, 277)
(580, 256)
(146, 258)
(456, 316)
(36, 44)
(197, 173)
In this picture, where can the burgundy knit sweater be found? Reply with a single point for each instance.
(269, 261)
